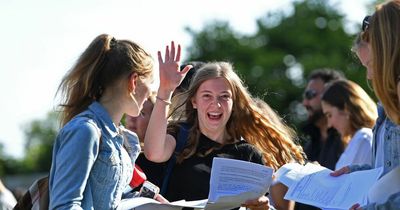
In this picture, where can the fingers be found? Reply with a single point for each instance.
(167, 53)
(161, 199)
(160, 60)
(259, 203)
(355, 207)
(172, 53)
(344, 170)
(178, 55)
(186, 69)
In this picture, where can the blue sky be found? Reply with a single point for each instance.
(41, 39)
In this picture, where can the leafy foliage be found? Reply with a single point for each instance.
(275, 60)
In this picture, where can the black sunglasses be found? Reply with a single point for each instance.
(309, 94)
(365, 23)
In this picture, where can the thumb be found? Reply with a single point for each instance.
(186, 69)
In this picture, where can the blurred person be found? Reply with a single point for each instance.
(7, 199)
(324, 144)
(351, 111)
(380, 32)
(93, 154)
(224, 121)
(155, 172)
(139, 123)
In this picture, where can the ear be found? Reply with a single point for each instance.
(194, 103)
(132, 83)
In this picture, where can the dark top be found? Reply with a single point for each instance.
(326, 153)
(154, 171)
(190, 179)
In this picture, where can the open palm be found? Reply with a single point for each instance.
(170, 74)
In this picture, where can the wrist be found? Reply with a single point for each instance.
(165, 101)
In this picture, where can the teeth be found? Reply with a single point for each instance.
(214, 114)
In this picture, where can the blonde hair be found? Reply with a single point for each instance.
(247, 120)
(384, 30)
(349, 96)
(104, 62)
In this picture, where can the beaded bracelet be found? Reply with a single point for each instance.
(163, 100)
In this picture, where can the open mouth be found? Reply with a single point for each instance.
(214, 115)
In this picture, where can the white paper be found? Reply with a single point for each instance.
(142, 203)
(293, 172)
(322, 190)
(232, 183)
(231, 178)
(385, 186)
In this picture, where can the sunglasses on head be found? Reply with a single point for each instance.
(309, 94)
(365, 23)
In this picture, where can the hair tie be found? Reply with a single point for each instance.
(113, 42)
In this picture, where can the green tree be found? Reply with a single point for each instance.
(275, 61)
(40, 135)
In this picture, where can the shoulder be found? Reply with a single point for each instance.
(363, 133)
(80, 127)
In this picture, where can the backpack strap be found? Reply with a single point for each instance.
(180, 144)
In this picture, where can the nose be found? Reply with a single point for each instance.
(329, 123)
(217, 102)
(305, 102)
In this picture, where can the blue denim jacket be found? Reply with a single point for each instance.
(87, 173)
(391, 155)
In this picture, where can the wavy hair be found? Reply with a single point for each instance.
(105, 61)
(349, 96)
(247, 120)
(384, 30)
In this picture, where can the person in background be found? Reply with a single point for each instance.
(7, 199)
(139, 123)
(323, 144)
(224, 121)
(380, 34)
(93, 154)
(351, 111)
(155, 172)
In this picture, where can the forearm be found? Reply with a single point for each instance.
(157, 147)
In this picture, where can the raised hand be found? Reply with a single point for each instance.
(170, 74)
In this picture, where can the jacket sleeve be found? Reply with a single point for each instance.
(75, 151)
(393, 202)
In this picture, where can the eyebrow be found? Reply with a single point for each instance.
(208, 91)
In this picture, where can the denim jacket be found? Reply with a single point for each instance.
(90, 166)
(391, 155)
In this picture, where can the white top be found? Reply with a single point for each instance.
(7, 200)
(359, 149)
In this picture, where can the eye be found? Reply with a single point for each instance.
(225, 97)
(206, 96)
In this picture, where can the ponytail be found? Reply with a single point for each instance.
(104, 61)
(79, 87)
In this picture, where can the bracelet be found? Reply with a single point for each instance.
(163, 100)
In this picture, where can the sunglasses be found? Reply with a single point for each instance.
(365, 23)
(310, 94)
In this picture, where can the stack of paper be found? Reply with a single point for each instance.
(232, 183)
(312, 184)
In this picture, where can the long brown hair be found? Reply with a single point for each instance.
(384, 30)
(349, 96)
(104, 62)
(247, 120)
